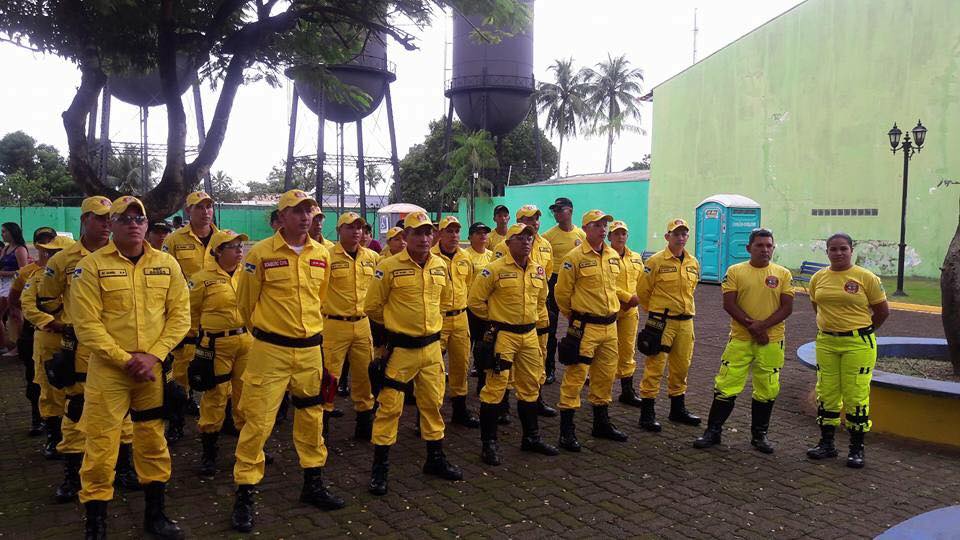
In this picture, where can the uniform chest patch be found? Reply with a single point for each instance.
(338, 265)
(319, 263)
(507, 275)
(275, 263)
(403, 272)
(212, 282)
(438, 272)
(540, 271)
(851, 287)
(615, 262)
(371, 264)
(545, 249)
(180, 247)
(120, 272)
(667, 269)
(587, 264)
(156, 271)
(772, 282)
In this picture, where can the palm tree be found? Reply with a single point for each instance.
(614, 93)
(564, 101)
(472, 153)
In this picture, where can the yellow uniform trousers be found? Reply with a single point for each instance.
(844, 371)
(526, 373)
(74, 438)
(274, 370)
(181, 361)
(351, 341)
(678, 335)
(627, 324)
(455, 342)
(110, 395)
(739, 357)
(52, 400)
(230, 357)
(423, 366)
(599, 343)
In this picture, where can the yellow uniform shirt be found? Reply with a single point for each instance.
(385, 254)
(327, 244)
(479, 260)
(505, 292)
(494, 238)
(542, 252)
(668, 283)
(758, 295)
(28, 304)
(460, 274)
(119, 307)
(53, 292)
(188, 250)
(632, 265)
(844, 298)
(588, 282)
(21, 276)
(562, 242)
(213, 300)
(349, 280)
(405, 297)
(281, 291)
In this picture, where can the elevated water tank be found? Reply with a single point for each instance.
(370, 71)
(144, 90)
(492, 82)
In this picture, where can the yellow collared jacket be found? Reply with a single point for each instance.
(667, 283)
(505, 292)
(405, 297)
(588, 282)
(349, 280)
(460, 274)
(188, 250)
(632, 265)
(213, 300)
(53, 292)
(541, 254)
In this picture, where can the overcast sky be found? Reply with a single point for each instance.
(656, 35)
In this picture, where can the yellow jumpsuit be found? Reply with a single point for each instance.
(45, 343)
(542, 254)
(628, 320)
(455, 336)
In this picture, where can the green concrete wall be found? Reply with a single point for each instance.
(794, 115)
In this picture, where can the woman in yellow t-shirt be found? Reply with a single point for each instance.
(851, 305)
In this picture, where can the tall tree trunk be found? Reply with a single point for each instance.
(950, 299)
(92, 81)
(559, 153)
(609, 165)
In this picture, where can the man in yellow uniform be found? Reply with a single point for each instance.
(666, 291)
(223, 344)
(510, 294)
(479, 256)
(188, 245)
(54, 296)
(283, 284)
(758, 296)
(563, 237)
(628, 318)
(316, 231)
(395, 244)
(405, 298)
(501, 219)
(347, 337)
(589, 297)
(130, 306)
(455, 336)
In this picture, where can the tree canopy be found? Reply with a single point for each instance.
(31, 173)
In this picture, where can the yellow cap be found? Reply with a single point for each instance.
(223, 236)
(347, 218)
(121, 204)
(295, 197)
(99, 205)
(448, 221)
(416, 219)
(528, 210)
(518, 228)
(197, 197)
(677, 222)
(594, 215)
(393, 232)
(617, 224)
(58, 242)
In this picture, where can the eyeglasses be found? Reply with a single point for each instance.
(231, 246)
(126, 220)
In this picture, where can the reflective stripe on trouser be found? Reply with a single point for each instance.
(272, 371)
(74, 438)
(51, 399)
(230, 356)
(844, 370)
(679, 336)
(181, 360)
(599, 343)
(455, 342)
(627, 324)
(735, 364)
(350, 341)
(527, 370)
(424, 367)
(110, 395)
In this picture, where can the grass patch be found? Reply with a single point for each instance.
(924, 291)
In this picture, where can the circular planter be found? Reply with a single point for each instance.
(923, 409)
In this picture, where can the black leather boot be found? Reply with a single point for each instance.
(192, 407)
(490, 451)
(343, 383)
(603, 428)
(462, 415)
(437, 464)
(759, 424)
(54, 436)
(155, 521)
(96, 526)
(315, 493)
(531, 441)
(720, 410)
(242, 518)
(550, 365)
(648, 415)
(504, 418)
(126, 475)
(855, 459)
(568, 431)
(364, 428)
(208, 458)
(543, 409)
(628, 396)
(67, 491)
(229, 427)
(326, 423)
(381, 469)
(825, 448)
(679, 412)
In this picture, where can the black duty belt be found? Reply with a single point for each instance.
(286, 341)
(404, 341)
(594, 319)
(225, 333)
(866, 331)
(514, 328)
(353, 318)
(189, 340)
(454, 312)
(542, 331)
(674, 317)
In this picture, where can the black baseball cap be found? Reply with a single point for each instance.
(500, 208)
(560, 203)
(478, 227)
(161, 225)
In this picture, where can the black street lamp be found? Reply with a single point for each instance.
(909, 148)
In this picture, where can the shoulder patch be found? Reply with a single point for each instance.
(567, 265)
(485, 273)
(164, 248)
(190, 284)
(156, 271)
(378, 274)
(77, 272)
(49, 272)
(249, 267)
(119, 272)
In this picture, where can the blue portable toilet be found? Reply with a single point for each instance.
(724, 224)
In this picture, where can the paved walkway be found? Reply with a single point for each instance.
(655, 485)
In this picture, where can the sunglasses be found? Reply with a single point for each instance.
(126, 220)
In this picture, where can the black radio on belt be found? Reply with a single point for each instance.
(651, 335)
